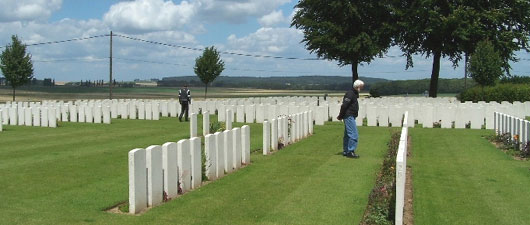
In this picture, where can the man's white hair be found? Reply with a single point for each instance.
(357, 84)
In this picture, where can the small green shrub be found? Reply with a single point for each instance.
(217, 127)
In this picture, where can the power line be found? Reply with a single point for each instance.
(222, 52)
(63, 41)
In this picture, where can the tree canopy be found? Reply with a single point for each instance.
(208, 66)
(350, 32)
(450, 28)
(16, 64)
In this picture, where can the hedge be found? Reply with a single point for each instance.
(501, 92)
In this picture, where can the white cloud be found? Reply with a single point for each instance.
(273, 18)
(27, 10)
(235, 11)
(149, 15)
(269, 41)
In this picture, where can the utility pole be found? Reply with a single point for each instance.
(110, 68)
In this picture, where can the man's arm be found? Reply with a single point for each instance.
(189, 96)
(346, 102)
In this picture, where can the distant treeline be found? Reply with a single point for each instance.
(403, 87)
(278, 83)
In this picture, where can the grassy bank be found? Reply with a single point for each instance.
(68, 175)
(461, 178)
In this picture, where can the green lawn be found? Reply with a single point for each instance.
(460, 178)
(68, 175)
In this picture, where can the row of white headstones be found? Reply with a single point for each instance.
(512, 125)
(163, 170)
(286, 130)
(386, 112)
(401, 171)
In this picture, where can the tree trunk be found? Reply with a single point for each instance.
(13, 93)
(354, 73)
(435, 74)
(465, 71)
(205, 90)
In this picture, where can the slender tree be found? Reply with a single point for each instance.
(16, 64)
(351, 32)
(485, 65)
(208, 66)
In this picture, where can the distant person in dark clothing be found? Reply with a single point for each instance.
(185, 100)
(349, 111)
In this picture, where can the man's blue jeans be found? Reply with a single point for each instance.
(351, 135)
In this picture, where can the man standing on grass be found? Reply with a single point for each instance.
(185, 100)
(349, 111)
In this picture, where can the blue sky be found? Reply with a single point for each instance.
(259, 27)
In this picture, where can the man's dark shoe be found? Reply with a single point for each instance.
(352, 155)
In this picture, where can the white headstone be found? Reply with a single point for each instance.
(52, 117)
(229, 119)
(310, 114)
(196, 162)
(164, 108)
(36, 116)
(240, 114)
(141, 111)
(245, 144)
(219, 154)
(81, 115)
(172, 108)
(193, 125)
(210, 149)
(64, 113)
(113, 110)
(97, 114)
(184, 164)
(44, 117)
(148, 111)
(169, 166)
(371, 115)
(228, 151)
(5, 116)
(237, 148)
(89, 117)
(124, 110)
(205, 123)
(106, 114)
(1, 124)
(73, 113)
(132, 110)
(266, 138)
(156, 111)
(28, 118)
(250, 113)
(260, 117)
(428, 116)
(21, 115)
(154, 175)
(274, 134)
(137, 181)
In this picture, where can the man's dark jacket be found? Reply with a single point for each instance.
(350, 105)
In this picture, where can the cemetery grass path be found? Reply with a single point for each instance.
(459, 177)
(69, 175)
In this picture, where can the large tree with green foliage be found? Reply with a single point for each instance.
(485, 65)
(208, 66)
(350, 32)
(16, 65)
(428, 27)
(449, 28)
